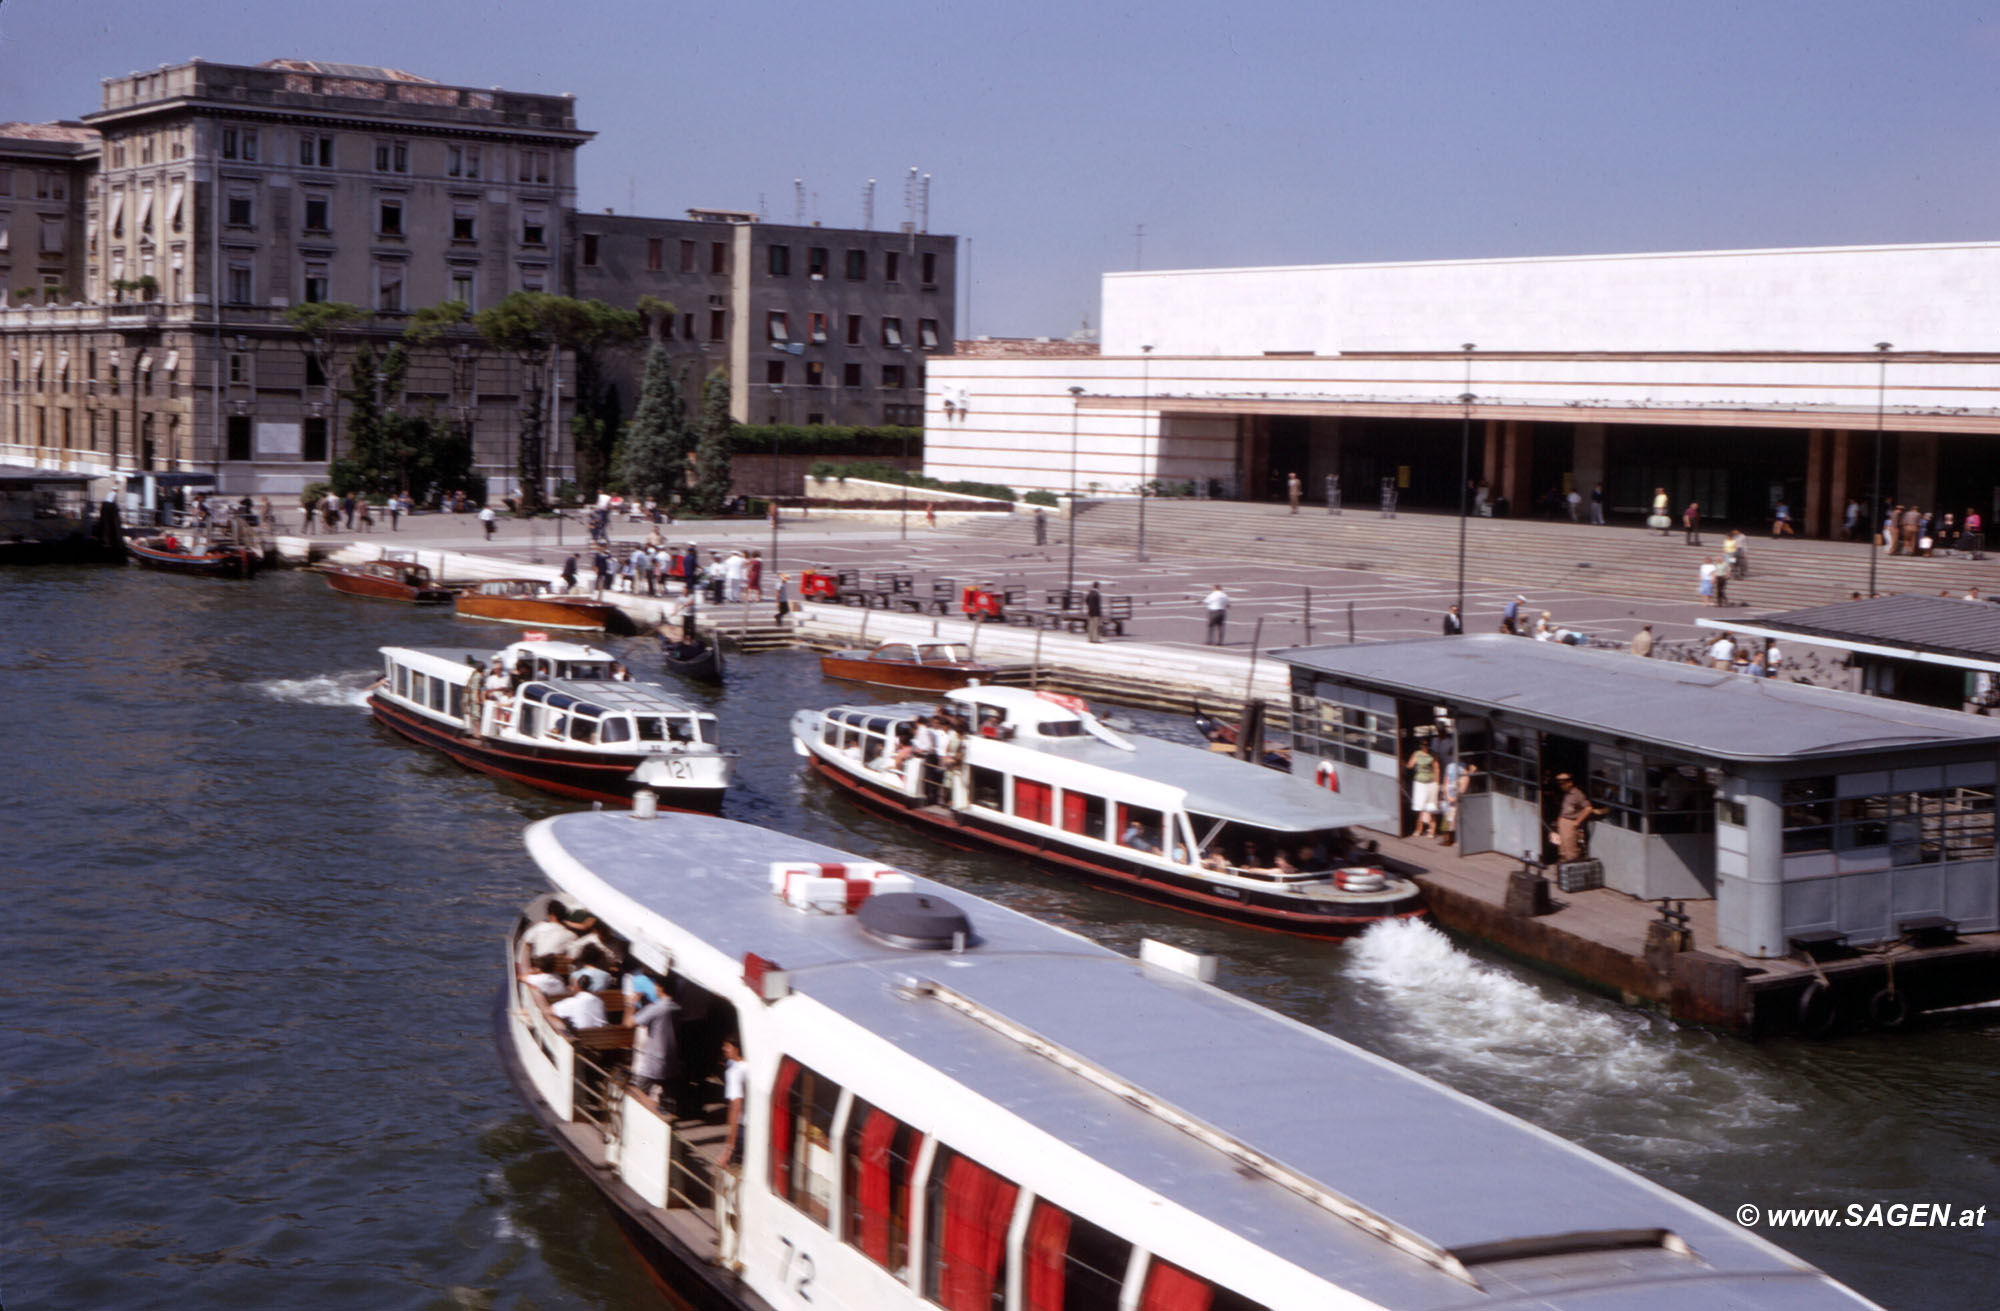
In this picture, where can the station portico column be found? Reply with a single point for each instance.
(1916, 469)
(1587, 457)
(1517, 467)
(1489, 463)
(1814, 519)
(1839, 467)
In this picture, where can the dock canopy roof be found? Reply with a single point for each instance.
(1942, 630)
(1602, 695)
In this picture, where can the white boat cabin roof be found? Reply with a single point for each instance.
(1518, 1206)
(441, 659)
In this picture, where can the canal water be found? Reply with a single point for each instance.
(255, 941)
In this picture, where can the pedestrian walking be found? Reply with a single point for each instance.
(1216, 603)
(930, 514)
(1041, 527)
(1642, 644)
(1574, 500)
(1510, 618)
(601, 561)
(1293, 489)
(1691, 523)
(1093, 614)
(1453, 625)
(1597, 505)
(784, 596)
(1659, 519)
(1423, 767)
(488, 520)
(1722, 582)
(1706, 588)
(569, 572)
(396, 512)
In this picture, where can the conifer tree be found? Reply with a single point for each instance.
(652, 457)
(712, 452)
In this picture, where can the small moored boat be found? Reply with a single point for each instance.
(1176, 825)
(528, 601)
(389, 579)
(692, 656)
(919, 666)
(186, 552)
(554, 718)
(862, 1089)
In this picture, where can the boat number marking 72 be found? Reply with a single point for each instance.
(795, 1271)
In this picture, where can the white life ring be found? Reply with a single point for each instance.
(1325, 776)
(1361, 880)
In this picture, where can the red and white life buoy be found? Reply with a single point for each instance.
(1326, 777)
(1361, 879)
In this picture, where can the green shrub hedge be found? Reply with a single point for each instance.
(883, 473)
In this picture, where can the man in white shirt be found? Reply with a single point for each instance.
(1216, 603)
(1722, 652)
(543, 977)
(549, 938)
(582, 1009)
(734, 1078)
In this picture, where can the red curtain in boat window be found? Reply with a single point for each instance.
(1170, 1288)
(1076, 813)
(1031, 800)
(872, 1198)
(1045, 1261)
(781, 1128)
(978, 1205)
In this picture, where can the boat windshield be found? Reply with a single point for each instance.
(1060, 728)
(1243, 848)
(673, 728)
(945, 653)
(583, 670)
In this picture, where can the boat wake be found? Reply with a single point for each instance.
(321, 690)
(1561, 1061)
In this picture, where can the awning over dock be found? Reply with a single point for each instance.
(1938, 630)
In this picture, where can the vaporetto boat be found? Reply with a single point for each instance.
(562, 723)
(945, 1103)
(1165, 822)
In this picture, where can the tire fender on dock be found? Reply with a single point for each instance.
(1890, 1009)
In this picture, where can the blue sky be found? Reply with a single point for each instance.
(1253, 133)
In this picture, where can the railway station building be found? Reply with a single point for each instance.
(1741, 380)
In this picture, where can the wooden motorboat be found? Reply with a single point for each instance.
(528, 601)
(931, 1102)
(1175, 825)
(390, 580)
(564, 726)
(184, 553)
(919, 666)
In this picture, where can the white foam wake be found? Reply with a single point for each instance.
(321, 689)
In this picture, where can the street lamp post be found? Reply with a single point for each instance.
(904, 499)
(1075, 411)
(1881, 418)
(1464, 473)
(1145, 386)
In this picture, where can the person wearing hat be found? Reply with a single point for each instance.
(1510, 618)
(1574, 812)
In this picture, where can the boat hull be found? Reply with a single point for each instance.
(682, 1275)
(704, 668)
(962, 829)
(233, 563)
(384, 589)
(560, 771)
(897, 673)
(539, 611)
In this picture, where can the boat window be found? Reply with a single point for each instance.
(585, 670)
(993, 722)
(803, 1102)
(560, 700)
(967, 1211)
(534, 692)
(897, 651)
(705, 729)
(530, 722)
(989, 788)
(879, 725)
(1069, 1264)
(1170, 1288)
(1031, 800)
(881, 1156)
(1139, 828)
(403, 681)
(457, 700)
(1060, 728)
(1083, 813)
(582, 728)
(945, 653)
(617, 729)
(829, 731)
(437, 700)
(850, 738)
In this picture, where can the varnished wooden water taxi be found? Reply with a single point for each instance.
(529, 601)
(918, 666)
(388, 579)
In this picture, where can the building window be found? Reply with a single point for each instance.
(315, 372)
(892, 376)
(687, 257)
(462, 283)
(534, 226)
(392, 156)
(239, 437)
(315, 287)
(177, 205)
(777, 326)
(816, 261)
(316, 150)
(319, 213)
(118, 155)
(240, 210)
(239, 369)
(6, 181)
(461, 161)
(656, 254)
(589, 250)
(815, 374)
(718, 257)
(389, 217)
(779, 261)
(927, 334)
(854, 329)
(534, 277)
(818, 324)
(51, 242)
(716, 324)
(857, 265)
(464, 220)
(237, 284)
(892, 332)
(231, 143)
(892, 266)
(314, 436)
(774, 372)
(389, 287)
(534, 166)
(850, 375)
(930, 268)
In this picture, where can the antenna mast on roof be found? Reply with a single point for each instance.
(798, 202)
(924, 206)
(868, 206)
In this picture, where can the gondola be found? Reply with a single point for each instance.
(691, 657)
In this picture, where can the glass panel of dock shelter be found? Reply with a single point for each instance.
(1512, 762)
(1350, 725)
(1857, 822)
(1617, 783)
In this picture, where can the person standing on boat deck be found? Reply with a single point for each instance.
(551, 937)
(1572, 819)
(1216, 603)
(952, 750)
(734, 1079)
(925, 742)
(1423, 767)
(1093, 611)
(656, 1049)
(582, 1009)
(590, 963)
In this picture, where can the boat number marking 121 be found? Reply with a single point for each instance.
(795, 1271)
(679, 769)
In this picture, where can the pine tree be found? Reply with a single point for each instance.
(712, 452)
(652, 457)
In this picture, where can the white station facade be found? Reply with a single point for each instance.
(1738, 379)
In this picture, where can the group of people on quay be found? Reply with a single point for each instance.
(663, 570)
(1439, 781)
(1911, 530)
(591, 985)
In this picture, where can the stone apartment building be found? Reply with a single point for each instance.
(815, 325)
(149, 252)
